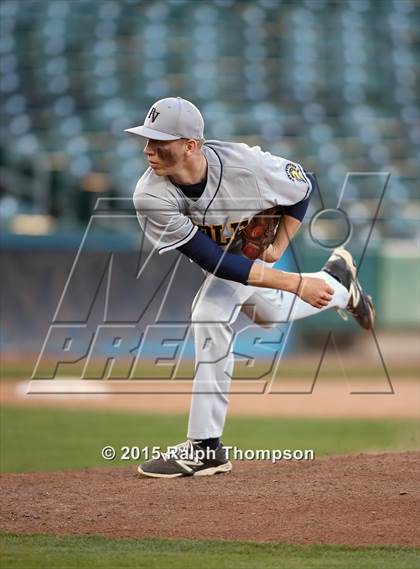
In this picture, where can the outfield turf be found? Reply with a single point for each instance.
(30, 552)
(49, 439)
(23, 370)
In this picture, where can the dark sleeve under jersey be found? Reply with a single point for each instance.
(297, 210)
(212, 258)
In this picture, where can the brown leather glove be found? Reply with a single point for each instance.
(260, 232)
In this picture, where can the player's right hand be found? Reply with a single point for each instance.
(314, 291)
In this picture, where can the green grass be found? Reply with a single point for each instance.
(48, 552)
(47, 439)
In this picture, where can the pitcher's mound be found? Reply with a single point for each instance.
(368, 499)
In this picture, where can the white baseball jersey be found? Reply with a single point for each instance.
(241, 182)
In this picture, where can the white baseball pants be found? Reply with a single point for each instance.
(215, 308)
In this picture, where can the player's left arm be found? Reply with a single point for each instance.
(288, 227)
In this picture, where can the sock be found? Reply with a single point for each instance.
(209, 443)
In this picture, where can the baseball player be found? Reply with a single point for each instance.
(208, 200)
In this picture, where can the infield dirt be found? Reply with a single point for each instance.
(365, 499)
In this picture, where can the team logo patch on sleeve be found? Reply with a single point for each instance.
(294, 173)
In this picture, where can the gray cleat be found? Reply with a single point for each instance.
(343, 268)
(187, 459)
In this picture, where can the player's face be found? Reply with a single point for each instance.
(165, 156)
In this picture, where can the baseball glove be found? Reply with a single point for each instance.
(260, 232)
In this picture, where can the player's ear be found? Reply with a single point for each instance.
(191, 146)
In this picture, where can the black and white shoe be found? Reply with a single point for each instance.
(343, 268)
(187, 459)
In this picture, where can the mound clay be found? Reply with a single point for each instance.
(365, 499)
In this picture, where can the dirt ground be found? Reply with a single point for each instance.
(362, 398)
(353, 500)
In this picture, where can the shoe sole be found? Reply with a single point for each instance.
(143, 474)
(221, 469)
(348, 259)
